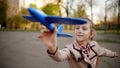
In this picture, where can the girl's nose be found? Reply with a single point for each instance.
(80, 30)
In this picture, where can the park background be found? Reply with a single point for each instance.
(20, 47)
(105, 14)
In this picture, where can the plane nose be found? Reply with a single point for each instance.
(35, 11)
(31, 9)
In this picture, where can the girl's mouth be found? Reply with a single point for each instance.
(80, 35)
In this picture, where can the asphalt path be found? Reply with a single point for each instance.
(25, 50)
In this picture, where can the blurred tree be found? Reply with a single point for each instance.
(23, 11)
(3, 11)
(90, 3)
(118, 17)
(51, 9)
(114, 10)
(59, 5)
(15, 22)
(80, 12)
(33, 5)
(69, 7)
(75, 9)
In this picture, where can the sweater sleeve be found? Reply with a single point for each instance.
(101, 51)
(60, 55)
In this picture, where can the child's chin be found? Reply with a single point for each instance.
(80, 39)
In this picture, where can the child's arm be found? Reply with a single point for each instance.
(50, 41)
(104, 52)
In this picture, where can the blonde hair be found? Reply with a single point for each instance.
(92, 28)
(91, 23)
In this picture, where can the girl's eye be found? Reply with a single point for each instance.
(77, 28)
(84, 28)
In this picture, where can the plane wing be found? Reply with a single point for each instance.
(57, 19)
(30, 18)
(64, 20)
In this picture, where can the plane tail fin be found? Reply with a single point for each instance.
(60, 28)
(60, 34)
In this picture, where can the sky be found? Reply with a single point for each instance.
(98, 10)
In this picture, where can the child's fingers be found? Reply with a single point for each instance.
(116, 54)
(40, 36)
(44, 30)
(55, 29)
(46, 33)
(42, 33)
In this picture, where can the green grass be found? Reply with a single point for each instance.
(109, 31)
(107, 40)
(19, 30)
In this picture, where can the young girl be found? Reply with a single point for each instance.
(82, 53)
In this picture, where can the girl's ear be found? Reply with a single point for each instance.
(92, 34)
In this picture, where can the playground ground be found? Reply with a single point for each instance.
(24, 50)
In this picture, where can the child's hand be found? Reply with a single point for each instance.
(116, 54)
(49, 39)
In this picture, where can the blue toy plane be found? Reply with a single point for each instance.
(47, 21)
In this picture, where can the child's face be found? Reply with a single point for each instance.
(82, 32)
